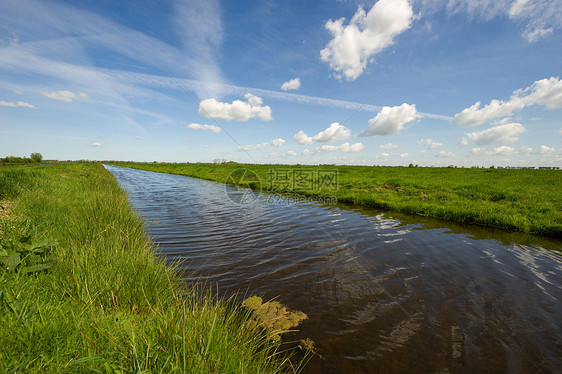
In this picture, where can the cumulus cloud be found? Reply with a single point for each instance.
(345, 147)
(542, 150)
(334, 133)
(19, 104)
(196, 126)
(301, 138)
(502, 134)
(366, 35)
(390, 120)
(404, 155)
(237, 110)
(95, 144)
(278, 142)
(293, 84)
(275, 143)
(65, 96)
(503, 150)
(253, 147)
(388, 146)
(429, 143)
(445, 154)
(546, 92)
(463, 141)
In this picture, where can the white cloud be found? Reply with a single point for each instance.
(278, 142)
(388, 146)
(390, 120)
(366, 35)
(83, 95)
(404, 155)
(542, 150)
(503, 151)
(19, 104)
(65, 96)
(384, 154)
(334, 133)
(275, 143)
(538, 17)
(293, 84)
(199, 26)
(477, 151)
(253, 147)
(463, 141)
(301, 138)
(138, 138)
(291, 153)
(502, 134)
(445, 154)
(237, 110)
(95, 144)
(196, 126)
(429, 143)
(546, 92)
(345, 147)
(19, 92)
(306, 152)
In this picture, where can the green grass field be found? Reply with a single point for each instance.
(521, 200)
(82, 289)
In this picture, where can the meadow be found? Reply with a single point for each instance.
(82, 288)
(519, 200)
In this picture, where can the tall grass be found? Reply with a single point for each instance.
(520, 200)
(109, 304)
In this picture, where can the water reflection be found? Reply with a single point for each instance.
(384, 292)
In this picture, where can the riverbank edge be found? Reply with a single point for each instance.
(104, 300)
(488, 213)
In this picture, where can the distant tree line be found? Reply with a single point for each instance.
(34, 158)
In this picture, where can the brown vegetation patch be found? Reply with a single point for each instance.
(5, 209)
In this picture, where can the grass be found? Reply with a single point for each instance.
(519, 200)
(99, 299)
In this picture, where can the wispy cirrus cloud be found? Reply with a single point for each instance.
(538, 18)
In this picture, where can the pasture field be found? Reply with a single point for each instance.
(520, 200)
(82, 288)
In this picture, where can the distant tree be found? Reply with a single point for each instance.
(36, 157)
(411, 165)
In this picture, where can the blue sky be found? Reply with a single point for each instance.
(393, 82)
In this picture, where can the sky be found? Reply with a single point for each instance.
(388, 82)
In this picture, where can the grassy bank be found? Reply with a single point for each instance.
(522, 200)
(81, 289)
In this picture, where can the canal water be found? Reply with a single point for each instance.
(384, 292)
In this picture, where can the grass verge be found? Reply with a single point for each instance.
(82, 290)
(518, 200)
